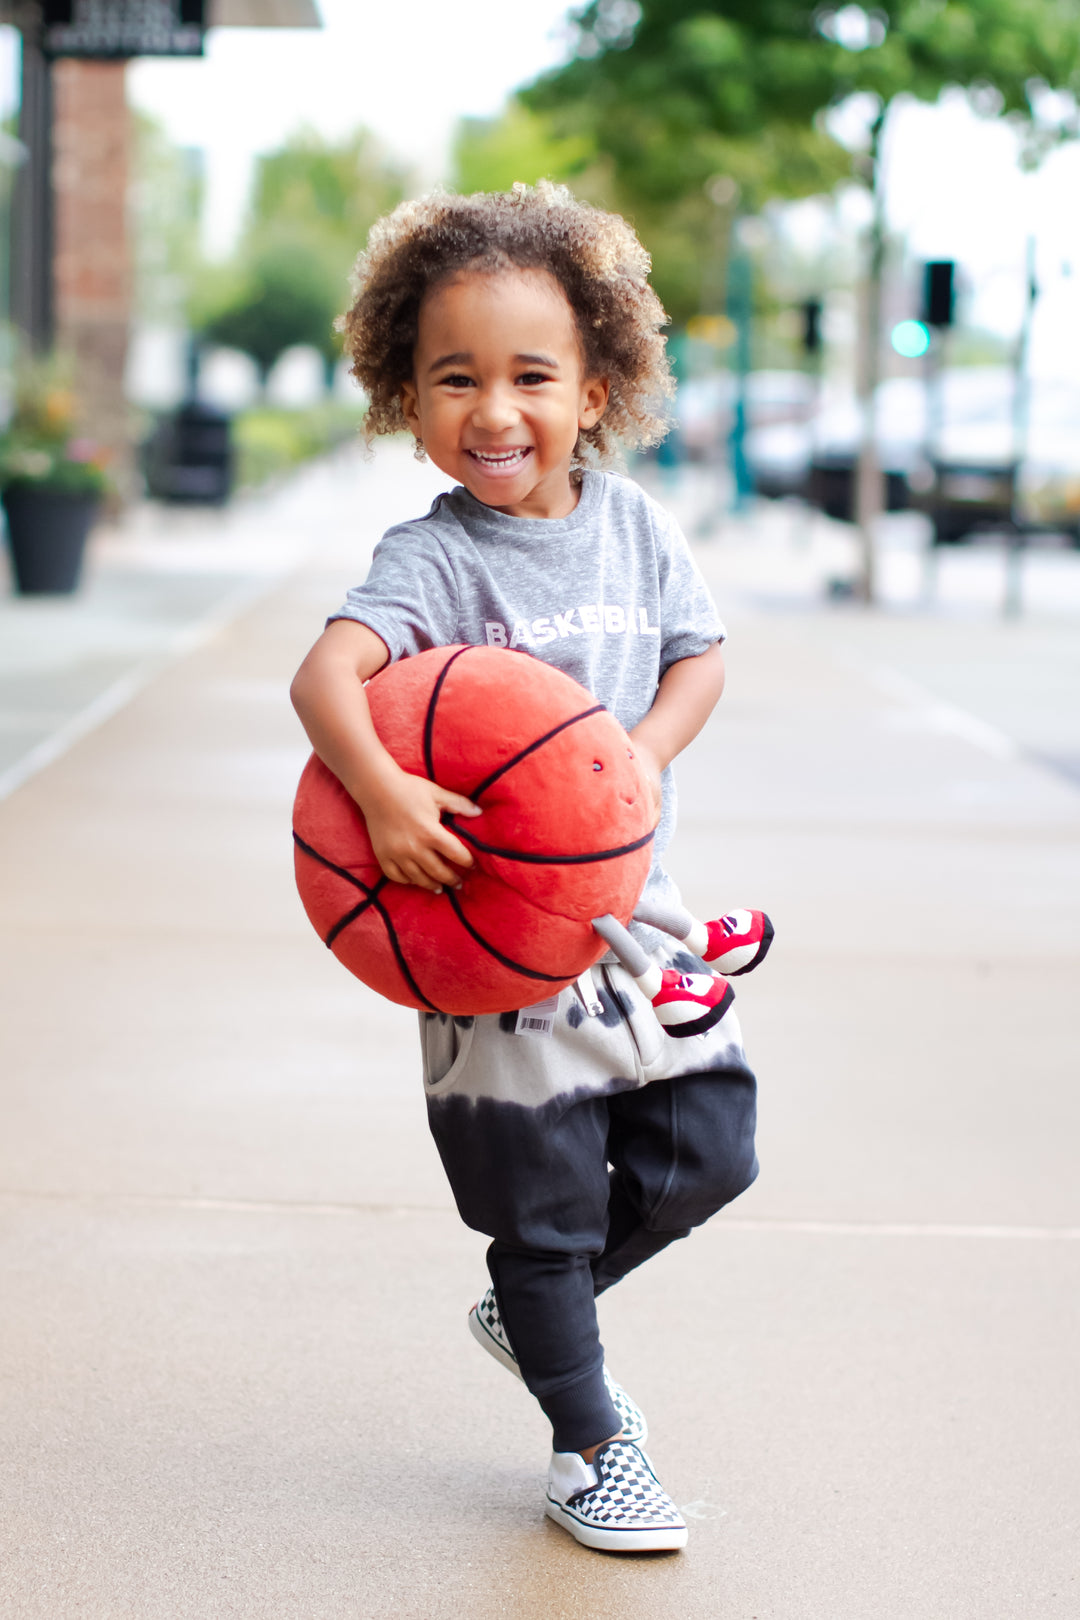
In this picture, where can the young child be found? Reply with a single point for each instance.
(516, 337)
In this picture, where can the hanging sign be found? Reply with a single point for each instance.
(112, 30)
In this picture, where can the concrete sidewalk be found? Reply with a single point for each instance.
(236, 1378)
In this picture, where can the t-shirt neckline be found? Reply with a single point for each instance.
(488, 517)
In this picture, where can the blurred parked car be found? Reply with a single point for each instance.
(973, 480)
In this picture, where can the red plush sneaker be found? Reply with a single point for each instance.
(691, 1003)
(738, 942)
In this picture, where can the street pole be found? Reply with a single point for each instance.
(1014, 542)
(869, 482)
(935, 422)
(32, 229)
(740, 310)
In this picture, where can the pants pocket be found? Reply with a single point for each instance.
(445, 1045)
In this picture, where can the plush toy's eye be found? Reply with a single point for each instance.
(596, 765)
(629, 753)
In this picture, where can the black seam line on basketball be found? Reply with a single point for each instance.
(553, 860)
(395, 946)
(350, 877)
(585, 714)
(343, 922)
(342, 871)
(507, 961)
(429, 718)
(371, 899)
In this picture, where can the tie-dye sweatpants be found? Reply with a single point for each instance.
(583, 1145)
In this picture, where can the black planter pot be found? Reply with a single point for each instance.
(47, 530)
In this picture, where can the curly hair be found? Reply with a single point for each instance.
(595, 258)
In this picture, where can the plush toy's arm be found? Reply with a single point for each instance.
(734, 943)
(689, 1003)
(685, 1003)
(630, 954)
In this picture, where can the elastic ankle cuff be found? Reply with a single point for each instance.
(582, 1414)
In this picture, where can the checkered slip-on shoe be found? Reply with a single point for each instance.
(615, 1503)
(485, 1325)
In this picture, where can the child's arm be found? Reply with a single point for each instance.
(402, 811)
(687, 694)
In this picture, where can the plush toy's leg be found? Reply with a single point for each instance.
(734, 944)
(685, 1003)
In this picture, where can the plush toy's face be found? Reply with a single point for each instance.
(499, 394)
(565, 835)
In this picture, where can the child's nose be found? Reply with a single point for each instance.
(495, 411)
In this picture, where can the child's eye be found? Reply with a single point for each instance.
(454, 381)
(531, 378)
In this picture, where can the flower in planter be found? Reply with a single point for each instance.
(39, 448)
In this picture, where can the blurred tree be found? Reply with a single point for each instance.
(325, 191)
(660, 186)
(313, 203)
(661, 85)
(490, 154)
(286, 295)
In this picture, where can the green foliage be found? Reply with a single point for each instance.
(740, 69)
(700, 90)
(674, 93)
(288, 295)
(313, 204)
(490, 154)
(677, 222)
(326, 191)
(270, 441)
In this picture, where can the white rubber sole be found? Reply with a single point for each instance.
(491, 1344)
(735, 961)
(665, 1538)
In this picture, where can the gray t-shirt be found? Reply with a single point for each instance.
(610, 594)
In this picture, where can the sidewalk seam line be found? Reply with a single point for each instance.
(811, 1228)
(116, 696)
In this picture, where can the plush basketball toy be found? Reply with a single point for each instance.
(565, 835)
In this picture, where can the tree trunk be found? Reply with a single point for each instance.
(869, 479)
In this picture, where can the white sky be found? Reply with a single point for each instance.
(408, 70)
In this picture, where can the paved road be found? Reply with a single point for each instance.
(236, 1380)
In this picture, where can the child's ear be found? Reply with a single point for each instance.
(410, 406)
(594, 401)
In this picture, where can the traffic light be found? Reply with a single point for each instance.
(910, 339)
(938, 292)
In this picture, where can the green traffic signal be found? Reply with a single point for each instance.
(910, 338)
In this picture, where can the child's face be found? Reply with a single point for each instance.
(498, 393)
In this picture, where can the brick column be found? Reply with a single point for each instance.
(92, 262)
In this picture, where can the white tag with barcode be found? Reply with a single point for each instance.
(538, 1019)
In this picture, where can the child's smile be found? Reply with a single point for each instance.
(498, 395)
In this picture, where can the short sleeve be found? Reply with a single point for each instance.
(410, 596)
(689, 620)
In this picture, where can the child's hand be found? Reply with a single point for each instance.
(410, 843)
